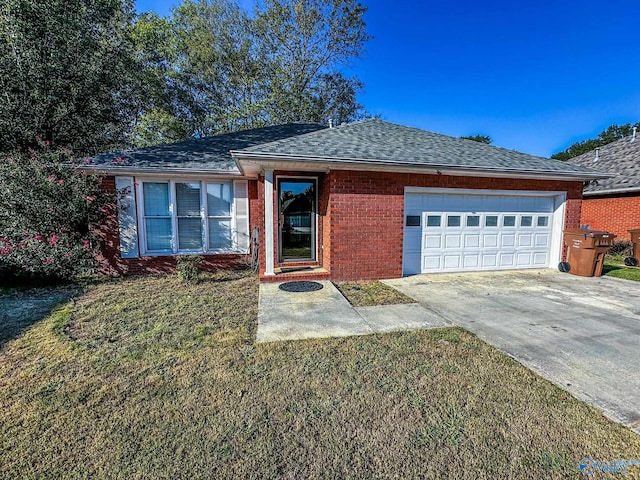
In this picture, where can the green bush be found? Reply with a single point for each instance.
(47, 207)
(187, 268)
(621, 248)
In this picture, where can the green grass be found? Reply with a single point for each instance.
(370, 293)
(614, 267)
(156, 378)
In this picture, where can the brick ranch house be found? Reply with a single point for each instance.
(367, 200)
(613, 204)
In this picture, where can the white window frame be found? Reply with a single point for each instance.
(142, 228)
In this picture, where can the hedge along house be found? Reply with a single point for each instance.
(613, 204)
(367, 200)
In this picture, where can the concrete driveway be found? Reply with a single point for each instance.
(581, 333)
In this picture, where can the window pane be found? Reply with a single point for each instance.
(453, 221)
(413, 220)
(188, 199)
(433, 220)
(156, 199)
(158, 233)
(219, 199)
(473, 221)
(526, 221)
(543, 221)
(189, 234)
(509, 221)
(491, 221)
(220, 234)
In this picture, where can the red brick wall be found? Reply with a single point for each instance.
(324, 240)
(360, 226)
(367, 214)
(613, 214)
(113, 264)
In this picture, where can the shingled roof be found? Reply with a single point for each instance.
(621, 158)
(379, 142)
(371, 143)
(210, 154)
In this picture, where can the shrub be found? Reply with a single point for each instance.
(621, 248)
(47, 207)
(187, 268)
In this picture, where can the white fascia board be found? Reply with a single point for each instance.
(256, 164)
(159, 172)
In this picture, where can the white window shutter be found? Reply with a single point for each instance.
(241, 210)
(127, 219)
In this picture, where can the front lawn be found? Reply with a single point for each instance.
(369, 293)
(616, 268)
(154, 378)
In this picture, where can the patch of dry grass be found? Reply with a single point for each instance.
(154, 378)
(367, 293)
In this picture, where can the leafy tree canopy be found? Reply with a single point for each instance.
(67, 73)
(213, 68)
(479, 138)
(611, 134)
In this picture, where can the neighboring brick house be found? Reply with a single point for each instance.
(367, 200)
(613, 204)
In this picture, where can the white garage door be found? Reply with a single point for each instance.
(453, 232)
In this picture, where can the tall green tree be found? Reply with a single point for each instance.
(307, 42)
(609, 135)
(68, 73)
(214, 68)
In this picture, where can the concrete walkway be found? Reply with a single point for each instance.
(326, 313)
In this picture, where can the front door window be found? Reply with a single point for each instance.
(297, 225)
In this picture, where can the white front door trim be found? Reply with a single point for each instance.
(268, 222)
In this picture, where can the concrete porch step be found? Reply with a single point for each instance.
(285, 274)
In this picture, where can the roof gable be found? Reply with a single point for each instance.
(621, 158)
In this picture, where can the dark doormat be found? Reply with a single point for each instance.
(301, 286)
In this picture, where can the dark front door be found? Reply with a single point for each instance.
(297, 219)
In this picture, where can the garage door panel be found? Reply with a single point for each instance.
(466, 231)
(471, 261)
(523, 259)
(489, 260)
(452, 241)
(507, 260)
(542, 239)
(540, 259)
(525, 240)
(472, 240)
(490, 240)
(431, 262)
(508, 239)
(432, 241)
(452, 262)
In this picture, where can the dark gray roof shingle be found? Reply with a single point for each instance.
(375, 140)
(208, 153)
(622, 158)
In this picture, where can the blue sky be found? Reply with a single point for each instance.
(535, 76)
